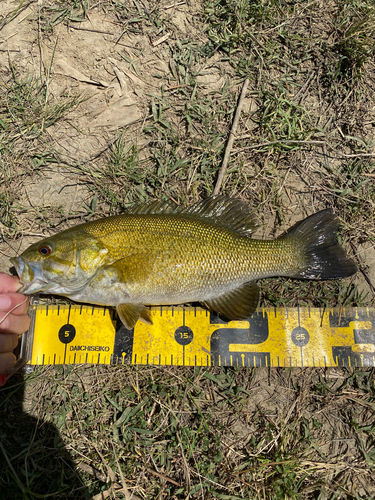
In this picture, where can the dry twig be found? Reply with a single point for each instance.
(166, 478)
(232, 134)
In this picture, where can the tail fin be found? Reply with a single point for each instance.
(322, 256)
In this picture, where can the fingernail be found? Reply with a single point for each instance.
(4, 303)
(2, 379)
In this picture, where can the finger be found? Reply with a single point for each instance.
(7, 361)
(14, 302)
(9, 283)
(13, 323)
(8, 342)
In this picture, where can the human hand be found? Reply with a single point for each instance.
(13, 321)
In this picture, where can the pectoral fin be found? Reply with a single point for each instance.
(129, 314)
(135, 268)
(237, 304)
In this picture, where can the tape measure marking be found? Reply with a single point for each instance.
(194, 337)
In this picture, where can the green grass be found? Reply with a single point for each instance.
(27, 110)
(192, 426)
(305, 142)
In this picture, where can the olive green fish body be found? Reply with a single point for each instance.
(161, 254)
(164, 259)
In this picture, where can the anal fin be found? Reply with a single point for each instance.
(129, 314)
(237, 304)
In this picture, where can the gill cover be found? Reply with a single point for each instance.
(59, 264)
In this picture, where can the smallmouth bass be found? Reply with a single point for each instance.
(161, 254)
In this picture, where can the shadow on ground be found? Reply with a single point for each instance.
(33, 460)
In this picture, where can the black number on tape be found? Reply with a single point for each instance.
(67, 334)
(183, 335)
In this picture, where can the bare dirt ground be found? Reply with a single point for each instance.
(185, 433)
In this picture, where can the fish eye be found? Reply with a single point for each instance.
(45, 250)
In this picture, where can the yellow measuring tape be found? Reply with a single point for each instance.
(189, 336)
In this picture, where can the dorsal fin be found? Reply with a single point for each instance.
(230, 213)
(154, 207)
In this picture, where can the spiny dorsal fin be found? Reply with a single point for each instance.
(237, 304)
(231, 213)
(224, 211)
(154, 207)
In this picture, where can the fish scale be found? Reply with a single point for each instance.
(208, 246)
(161, 254)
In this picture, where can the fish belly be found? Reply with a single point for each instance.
(172, 286)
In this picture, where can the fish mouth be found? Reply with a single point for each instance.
(18, 264)
(31, 276)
